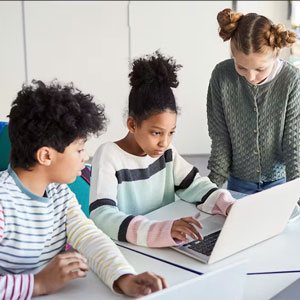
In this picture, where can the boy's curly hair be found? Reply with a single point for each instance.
(50, 115)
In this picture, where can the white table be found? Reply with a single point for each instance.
(277, 254)
(92, 288)
(280, 253)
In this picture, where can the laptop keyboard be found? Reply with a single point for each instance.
(206, 245)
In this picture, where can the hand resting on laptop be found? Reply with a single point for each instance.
(187, 229)
(184, 227)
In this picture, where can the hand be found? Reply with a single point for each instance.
(62, 269)
(139, 285)
(183, 227)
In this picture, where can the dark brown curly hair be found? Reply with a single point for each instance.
(50, 115)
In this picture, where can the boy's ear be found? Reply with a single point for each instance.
(131, 124)
(44, 156)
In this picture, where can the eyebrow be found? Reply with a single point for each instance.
(240, 66)
(156, 127)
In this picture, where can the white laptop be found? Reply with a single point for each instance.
(251, 220)
(291, 292)
(225, 283)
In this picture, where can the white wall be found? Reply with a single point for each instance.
(88, 42)
(84, 42)
(277, 10)
(189, 32)
(12, 69)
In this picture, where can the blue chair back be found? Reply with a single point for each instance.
(4, 146)
(81, 188)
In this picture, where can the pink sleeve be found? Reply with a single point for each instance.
(12, 286)
(217, 203)
(144, 232)
(16, 286)
(1, 223)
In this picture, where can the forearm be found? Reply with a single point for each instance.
(18, 286)
(14, 286)
(102, 254)
(137, 230)
(218, 202)
(291, 153)
(144, 232)
(219, 161)
(291, 134)
(218, 179)
(220, 157)
(292, 170)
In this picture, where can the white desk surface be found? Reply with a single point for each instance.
(92, 288)
(280, 253)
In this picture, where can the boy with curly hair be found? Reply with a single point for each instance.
(48, 128)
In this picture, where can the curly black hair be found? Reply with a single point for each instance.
(152, 78)
(50, 115)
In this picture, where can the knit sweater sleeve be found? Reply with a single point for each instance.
(220, 158)
(192, 187)
(112, 219)
(291, 134)
(14, 286)
(102, 254)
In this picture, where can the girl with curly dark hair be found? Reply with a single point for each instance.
(143, 171)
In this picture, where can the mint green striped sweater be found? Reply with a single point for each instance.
(125, 187)
(255, 130)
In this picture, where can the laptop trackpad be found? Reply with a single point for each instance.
(211, 224)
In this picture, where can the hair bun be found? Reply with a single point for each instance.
(228, 22)
(154, 69)
(278, 37)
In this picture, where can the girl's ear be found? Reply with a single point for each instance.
(131, 124)
(44, 156)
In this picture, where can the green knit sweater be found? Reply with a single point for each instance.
(255, 130)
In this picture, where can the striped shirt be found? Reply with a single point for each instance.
(34, 229)
(124, 187)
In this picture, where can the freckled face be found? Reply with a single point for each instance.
(255, 67)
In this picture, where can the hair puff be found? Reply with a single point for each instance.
(154, 69)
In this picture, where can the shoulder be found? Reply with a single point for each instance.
(290, 74)
(172, 149)
(107, 149)
(225, 67)
(224, 72)
(7, 183)
(172, 152)
(225, 64)
(288, 82)
(290, 69)
(4, 177)
(58, 191)
(109, 158)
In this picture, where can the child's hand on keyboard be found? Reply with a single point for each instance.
(185, 226)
